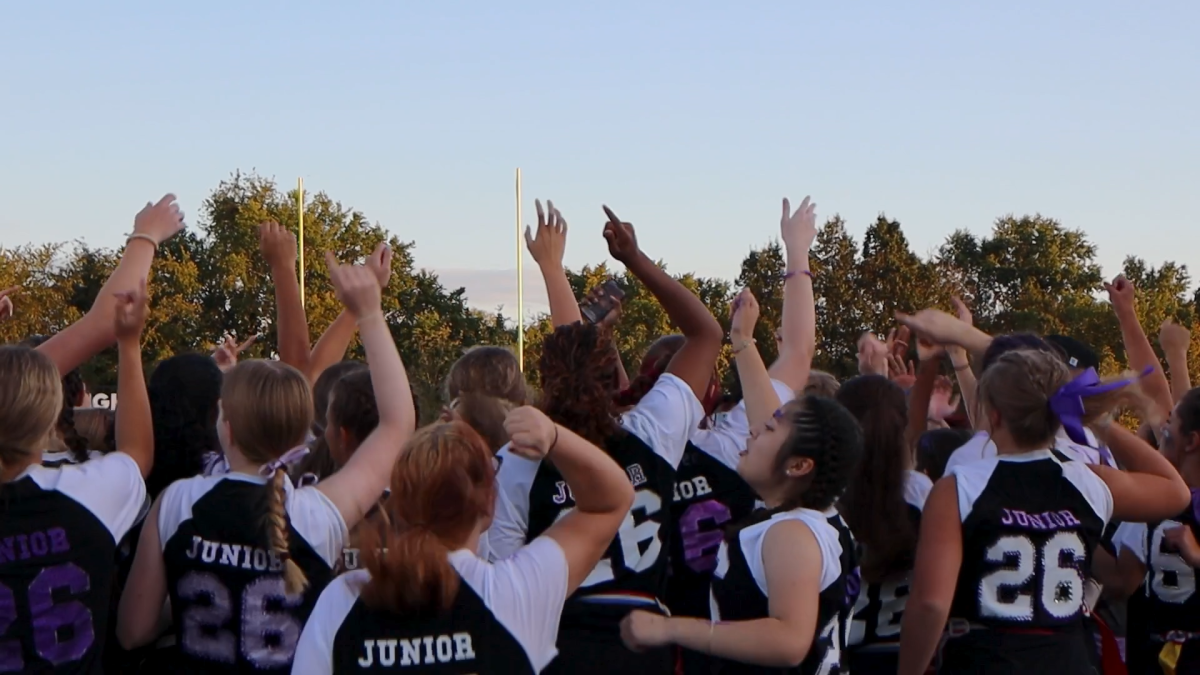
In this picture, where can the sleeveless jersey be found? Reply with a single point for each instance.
(739, 593)
(1029, 525)
(503, 620)
(1170, 588)
(982, 447)
(226, 586)
(55, 459)
(878, 611)
(59, 530)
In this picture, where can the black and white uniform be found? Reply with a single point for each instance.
(54, 459)
(59, 530)
(739, 592)
(852, 576)
(1172, 606)
(532, 495)
(226, 585)
(1029, 525)
(981, 447)
(874, 641)
(504, 620)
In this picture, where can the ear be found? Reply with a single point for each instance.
(795, 467)
(1192, 442)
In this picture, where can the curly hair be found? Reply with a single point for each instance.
(73, 390)
(183, 391)
(825, 432)
(874, 505)
(578, 371)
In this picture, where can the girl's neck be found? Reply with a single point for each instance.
(239, 464)
(9, 472)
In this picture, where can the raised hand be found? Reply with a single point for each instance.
(1121, 293)
(934, 324)
(613, 317)
(962, 311)
(356, 286)
(622, 242)
(530, 433)
(902, 372)
(548, 247)
(1174, 338)
(278, 244)
(380, 263)
(159, 221)
(132, 310)
(897, 342)
(743, 315)
(6, 303)
(227, 353)
(927, 351)
(872, 355)
(798, 230)
(942, 402)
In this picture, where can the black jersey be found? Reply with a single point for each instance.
(880, 607)
(739, 593)
(1029, 525)
(59, 530)
(226, 585)
(852, 576)
(503, 620)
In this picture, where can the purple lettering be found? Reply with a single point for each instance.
(10, 650)
(23, 546)
(1022, 518)
(6, 550)
(1036, 522)
(1069, 518)
(1006, 518)
(58, 540)
(49, 618)
(700, 546)
(37, 542)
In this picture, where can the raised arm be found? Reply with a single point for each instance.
(135, 431)
(547, 249)
(945, 329)
(961, 361)
(757, 391)
(356, 488)
(798, 331)
(1137, 346)
(1149, 488)
(278, 247)
(695, 361)
(85, 338)
(331, 347)
(602, 491)
(1175, 341)
(929, 356)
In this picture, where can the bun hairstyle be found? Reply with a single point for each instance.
(269, 409)
(73, 390)
(874, 505)
(825, 432)
(578, 368)
(443, 484)
(483, 385)
(30, 403)
(1018, 387)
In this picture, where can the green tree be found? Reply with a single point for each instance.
(840, 306)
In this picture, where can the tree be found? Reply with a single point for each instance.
(840, 307)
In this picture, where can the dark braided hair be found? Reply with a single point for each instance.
(825, 432)
(73, 390)
(184, 391)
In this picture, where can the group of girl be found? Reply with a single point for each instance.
(289, 516)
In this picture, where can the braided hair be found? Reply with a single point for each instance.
(825, 432)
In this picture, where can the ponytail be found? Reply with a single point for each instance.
(277, 530)
(410, 569)
(485, 414)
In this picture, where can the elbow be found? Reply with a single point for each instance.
(1181, 496)
(793, 652)
(710, 330)
(624, 497)
(129, 638)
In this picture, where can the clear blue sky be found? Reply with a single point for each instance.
(691, 119)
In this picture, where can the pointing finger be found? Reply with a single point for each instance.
(787, 209)
(612, 217)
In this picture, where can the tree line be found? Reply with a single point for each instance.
(1030, 273)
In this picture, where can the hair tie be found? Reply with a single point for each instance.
(1067, 402)
(285, 460)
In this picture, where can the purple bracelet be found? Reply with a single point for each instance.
(789, 275)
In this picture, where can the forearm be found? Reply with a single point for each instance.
(681, 305)
(765, 642)
(1135, 455)
(1181, 378)
(921, 629)
(597, 483)
(564, 309)
(332, 345)
(757, 390)
(967, 383)
(90, 335)
(798, 326)
(393, 395)
(292, 324)
(134, 429)
(918, 400)
(1141, 356)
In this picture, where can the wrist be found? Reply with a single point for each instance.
(130, 341)
(369, 318)
(1125, 311)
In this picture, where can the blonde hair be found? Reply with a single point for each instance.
(483, 385)
(30, 402)
(822, 383)
(1019, 385)
(268, 406)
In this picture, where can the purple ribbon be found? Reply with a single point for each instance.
(1067, 402)
(285, 460)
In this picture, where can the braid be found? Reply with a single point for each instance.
(832, 473)
(277, 529)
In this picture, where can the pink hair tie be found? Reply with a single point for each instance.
(285, 460)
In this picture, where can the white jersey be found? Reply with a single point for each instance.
(981, 447)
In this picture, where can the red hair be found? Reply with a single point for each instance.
(442, 485)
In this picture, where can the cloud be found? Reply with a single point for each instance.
(489, 289)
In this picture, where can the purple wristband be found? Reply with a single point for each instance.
(789, 275)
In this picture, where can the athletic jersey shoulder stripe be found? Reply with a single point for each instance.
(751, 539)
(973, 478)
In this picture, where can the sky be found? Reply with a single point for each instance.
(690, 119)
